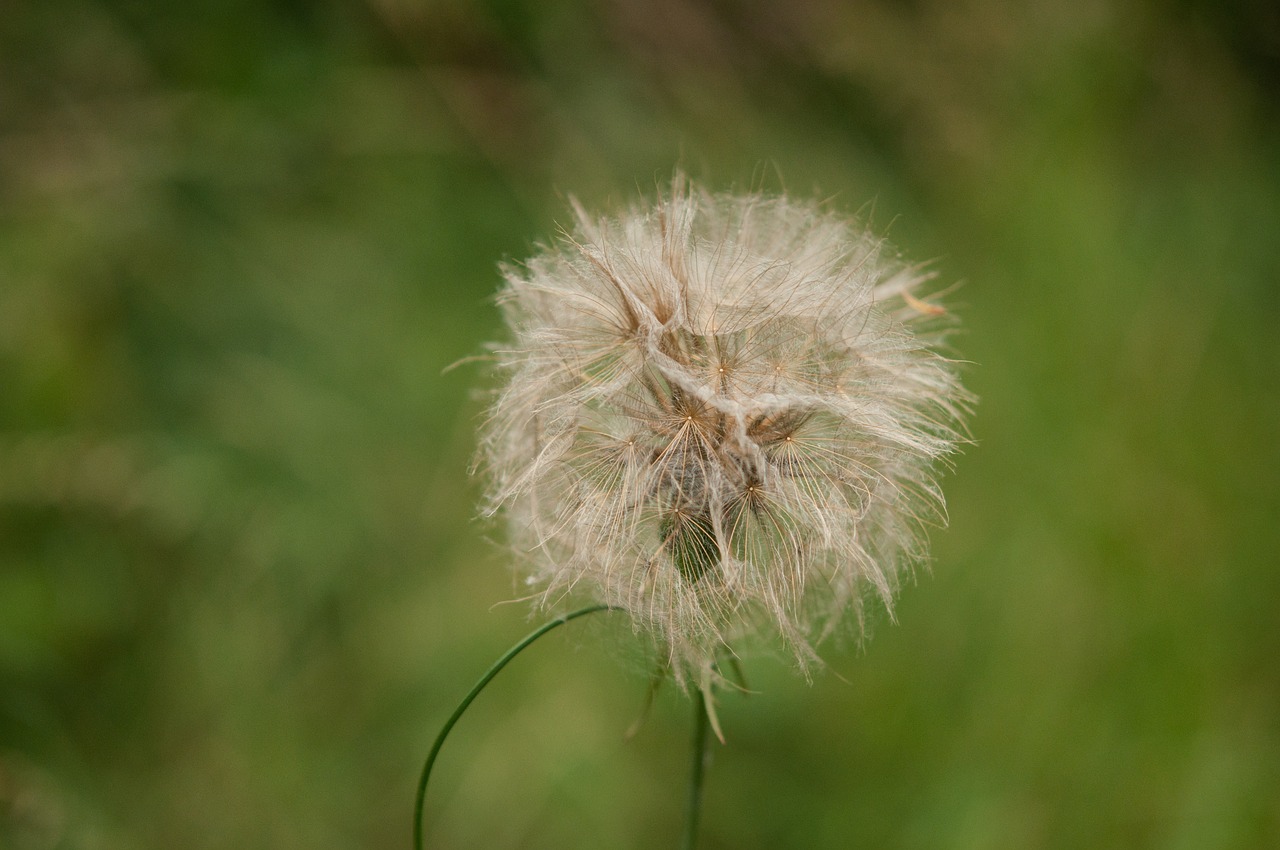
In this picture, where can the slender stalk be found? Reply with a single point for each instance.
(701, 757)
(467, 700)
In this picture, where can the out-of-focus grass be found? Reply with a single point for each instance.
(239, 587)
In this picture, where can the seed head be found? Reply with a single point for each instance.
(720, 414)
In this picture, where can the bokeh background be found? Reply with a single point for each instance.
(240, 581)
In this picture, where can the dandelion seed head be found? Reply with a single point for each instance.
(721, 414)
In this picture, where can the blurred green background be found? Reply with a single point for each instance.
(240, 583)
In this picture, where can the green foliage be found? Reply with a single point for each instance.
(239, 585)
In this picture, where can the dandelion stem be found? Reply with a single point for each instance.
(701, 757)
(471, 695)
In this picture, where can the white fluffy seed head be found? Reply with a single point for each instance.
(720, 414)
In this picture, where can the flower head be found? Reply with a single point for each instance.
(720, 415)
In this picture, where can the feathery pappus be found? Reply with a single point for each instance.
(722, 414)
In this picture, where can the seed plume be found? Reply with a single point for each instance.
(720, 413)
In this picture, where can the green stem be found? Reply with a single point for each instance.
(467, 700)
(701, 756)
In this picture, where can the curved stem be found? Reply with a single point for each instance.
(471, 695)
(701, 756)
